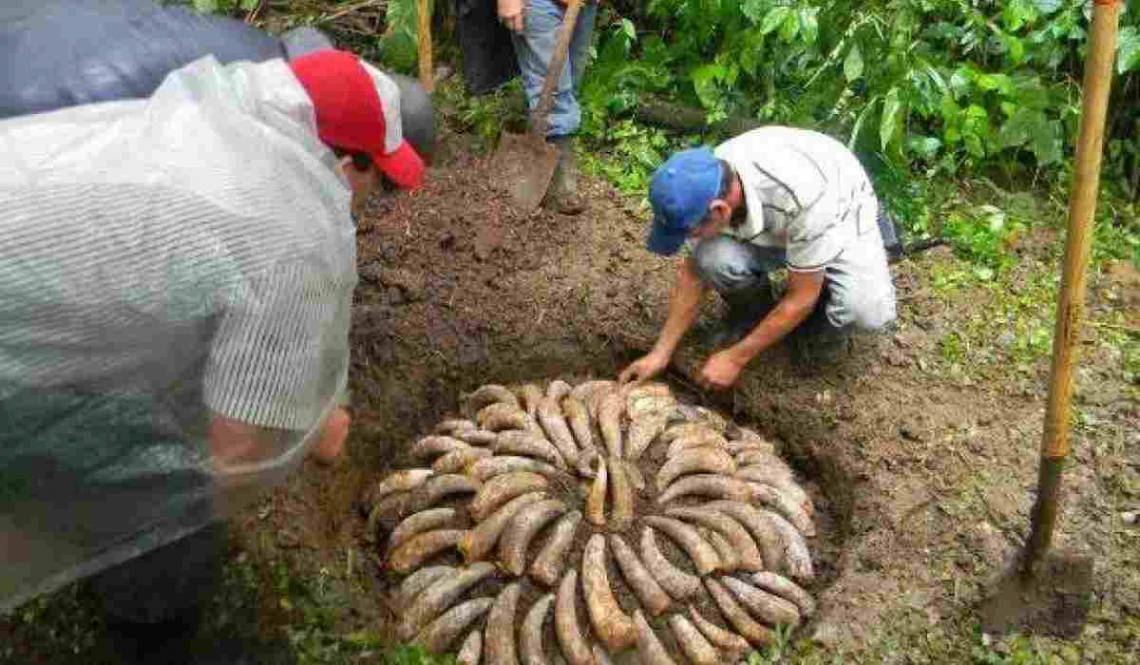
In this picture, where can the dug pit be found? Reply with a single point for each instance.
(589, 520)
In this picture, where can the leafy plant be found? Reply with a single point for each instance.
(982, 235)
(636, 151)
(398, 44)
(224, 6)
(943, 86)
(780, 648)
(488, 115)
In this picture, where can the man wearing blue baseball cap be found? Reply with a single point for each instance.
(772, 198)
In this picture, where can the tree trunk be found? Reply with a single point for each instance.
(689, 119)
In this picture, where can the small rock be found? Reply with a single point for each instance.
(370, 320)
(913, 433)
(896, 358)
(370, 272)
(985, 541)
(394, 296)
(1129, 517)
(288, 539)
(940, 253)
(411, 283)
(442, 73)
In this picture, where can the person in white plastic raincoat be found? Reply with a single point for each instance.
(176, 277)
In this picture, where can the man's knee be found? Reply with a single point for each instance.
(725, 264)
(869, 315)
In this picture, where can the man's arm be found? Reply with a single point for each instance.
(803, 292)
(234, 443)
(684, 303)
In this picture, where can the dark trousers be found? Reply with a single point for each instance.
(154, 603)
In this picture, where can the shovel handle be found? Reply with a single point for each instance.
(539, 120)
(1082, 206)
(427, 76)
(1070, 301)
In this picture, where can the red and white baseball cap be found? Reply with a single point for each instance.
(358, 108)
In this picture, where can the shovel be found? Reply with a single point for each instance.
(423, 43)
(1052, 592)
(523, 166)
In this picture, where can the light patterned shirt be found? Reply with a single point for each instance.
(804, 191)
(161, 261)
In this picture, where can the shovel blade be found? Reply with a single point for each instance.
(522, 168)
(1056, 600)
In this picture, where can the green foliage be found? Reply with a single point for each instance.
(414, 655)
(1130, 361)
(398, 45)
(938, 84)
(224, 6)
(485, 116)
(938, 87)
(636, 151)
(1020, 650)
(981, 235)
(778, 651)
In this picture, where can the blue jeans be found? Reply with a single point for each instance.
(534, 48)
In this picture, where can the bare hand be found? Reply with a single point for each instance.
(333, 436)
(646, 367)
(511, 13)
(720, 371)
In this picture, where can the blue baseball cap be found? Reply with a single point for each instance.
(680, 193)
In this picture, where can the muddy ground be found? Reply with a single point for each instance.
(927, 468)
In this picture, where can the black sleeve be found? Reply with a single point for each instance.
(60, 53)
(488, 54)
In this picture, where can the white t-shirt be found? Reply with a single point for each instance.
(804, 191)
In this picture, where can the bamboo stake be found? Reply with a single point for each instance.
(1070, 303)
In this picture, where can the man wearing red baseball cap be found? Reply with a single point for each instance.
(191, 345)
(358, 114)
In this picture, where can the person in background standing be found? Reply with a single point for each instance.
(534, 25)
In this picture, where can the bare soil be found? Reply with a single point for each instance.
(924, 476)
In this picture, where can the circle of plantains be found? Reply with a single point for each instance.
(555, 493)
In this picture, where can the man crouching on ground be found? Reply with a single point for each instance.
(774, 197)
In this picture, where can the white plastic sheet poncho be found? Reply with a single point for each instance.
(166, 265)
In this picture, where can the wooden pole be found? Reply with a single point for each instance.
(1070, 303)
(427, 75)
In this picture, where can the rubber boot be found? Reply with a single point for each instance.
(563, 196)
(816, 342)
